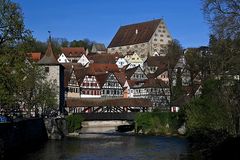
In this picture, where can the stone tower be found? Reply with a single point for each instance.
(54, 74)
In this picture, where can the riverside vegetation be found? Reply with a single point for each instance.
(74, 123)
(157, 123)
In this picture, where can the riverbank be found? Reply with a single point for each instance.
(157, 123)
(213, 144)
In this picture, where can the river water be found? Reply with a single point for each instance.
(112, 147)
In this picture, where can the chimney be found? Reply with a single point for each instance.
(136, 31)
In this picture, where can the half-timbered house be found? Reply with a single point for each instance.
(111, 87)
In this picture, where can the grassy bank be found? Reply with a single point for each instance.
(74, 122)
(157, 123)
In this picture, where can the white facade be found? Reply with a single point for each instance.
(53, 76)
(164, 77)
(121, 62)
(62, 59)
(83, 61)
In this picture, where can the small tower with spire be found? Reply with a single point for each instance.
(54, 74)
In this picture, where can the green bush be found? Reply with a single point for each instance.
(74, 122)
(157, 123)
(208, 111)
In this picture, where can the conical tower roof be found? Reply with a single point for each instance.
(49, 57)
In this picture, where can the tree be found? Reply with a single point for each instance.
(208, 111)
(223, 16)
(12, 27)
(23, 85)
(86, 43)
(173, 53)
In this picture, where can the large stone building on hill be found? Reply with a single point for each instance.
(145, 39)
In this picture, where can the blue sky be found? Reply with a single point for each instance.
(99, 20)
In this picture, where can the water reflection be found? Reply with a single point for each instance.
(112, 147)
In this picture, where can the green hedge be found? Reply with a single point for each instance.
(157, 123)
(74, 122)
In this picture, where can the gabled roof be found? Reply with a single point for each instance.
(154, 83)
(101, 78)
(134, 33)
(133, 83)
(161, 68)
(156, 60)
(130, 72)
(121, 77)
(103, 68)
(103, 58)
(73, 51)
(49, 57)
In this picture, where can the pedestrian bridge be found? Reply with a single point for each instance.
(112, 108)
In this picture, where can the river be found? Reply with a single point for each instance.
(111, 147)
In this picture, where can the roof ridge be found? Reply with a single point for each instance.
(159, 19)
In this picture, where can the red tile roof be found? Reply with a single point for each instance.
(121, 77)
(126, 35)
(35, 56)
(101, 78)
(103, 58)
(73, 51)
(104, 68)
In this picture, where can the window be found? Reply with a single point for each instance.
(47, 69)
(155, 39)
(161, 35)
(156, 34)
(168, 36)
(161, 40)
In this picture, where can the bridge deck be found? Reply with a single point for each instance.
(108, 116)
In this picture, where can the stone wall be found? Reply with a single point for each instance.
(56, 128)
